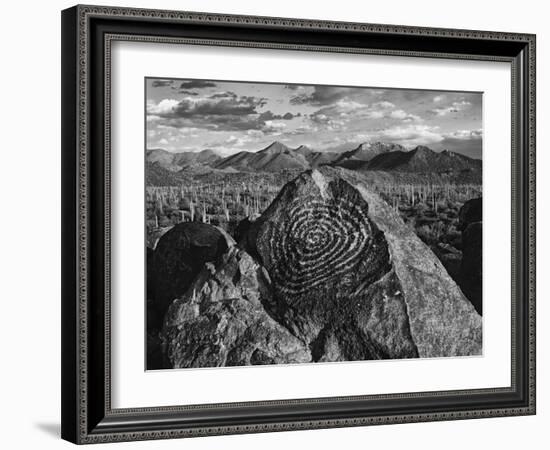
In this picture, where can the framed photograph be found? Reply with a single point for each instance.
(279, 224)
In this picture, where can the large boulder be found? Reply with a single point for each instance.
(154, 236)
(470, 275)
(179, 256)
(470, 212)
(352, 280)
(221, 319)
(471, 267)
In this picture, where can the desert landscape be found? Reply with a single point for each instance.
(437, 196)
(310, 224)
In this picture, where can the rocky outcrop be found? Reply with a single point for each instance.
(329, 272)
(471, 268)
(221, 319)
(471, 212)
(352, 280)
(154, 236)
(179, 256)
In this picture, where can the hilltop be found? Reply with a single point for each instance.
(275, 157)
(365, 152)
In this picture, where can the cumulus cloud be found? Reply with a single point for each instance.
(412, 134)
(402, 115)
(273, 127)
(408, 135)
(226, 115)
(383, 104)
(162, 108)
(465, 135)
(216, 104)
(467, 142)
(220, 111)
(324, 95)
(453, 108)
(303, 130)
(338, 114)
(255, 133)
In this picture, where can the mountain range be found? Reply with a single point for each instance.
(175, 162)
(377, 156)
(364, 152)
(422, 159)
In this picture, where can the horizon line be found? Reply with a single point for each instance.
(312, 149)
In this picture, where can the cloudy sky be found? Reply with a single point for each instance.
(193, 115)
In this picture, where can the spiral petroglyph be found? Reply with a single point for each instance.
(318, 243)
(322, 239)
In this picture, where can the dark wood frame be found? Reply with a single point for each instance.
(87, 32)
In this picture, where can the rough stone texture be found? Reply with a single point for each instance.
(179, 256)
(352, 280)
(221, 319)
(472, 264)
(442, 321)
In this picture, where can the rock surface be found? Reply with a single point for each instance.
(352, 280)
(221, 320)
(471, 211)
(470, 274)
(155, 236)
(179, 256)
(471, 267)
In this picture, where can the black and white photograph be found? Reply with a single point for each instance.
(275, 225)
(290, 223)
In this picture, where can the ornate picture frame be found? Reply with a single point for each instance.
(88, 33)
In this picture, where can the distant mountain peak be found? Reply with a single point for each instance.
(304, 150)
(364, 145)
(423, 149)
(176, 161)
(273, 158)
(453, 154)
(422, 159)
(209, 151)
(276, 146)
(377, 147)
(364, 152)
